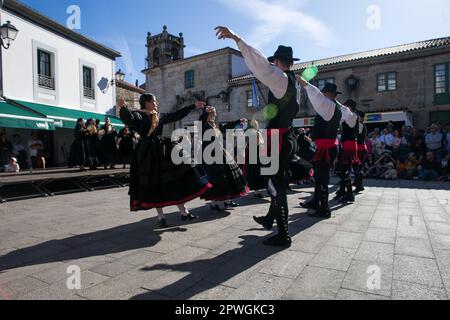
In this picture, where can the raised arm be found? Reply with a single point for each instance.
(349, 117)
(321, 104)
(130, 118)
(182, 113)
(264, 71)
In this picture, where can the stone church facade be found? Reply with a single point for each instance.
(408, 84)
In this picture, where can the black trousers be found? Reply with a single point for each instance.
(277, 184)
(322, 169)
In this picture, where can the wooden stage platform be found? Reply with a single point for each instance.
(51, 182)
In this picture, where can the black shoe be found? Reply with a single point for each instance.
(338, 196)
(189, 217)
(263, 221)
(347, 199)
(359, 190)
(310, 205)
(258, 195)
(163, 223)
(279, 241)
(232, 204)
(321, 214)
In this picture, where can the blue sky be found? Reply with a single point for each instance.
(316, 29)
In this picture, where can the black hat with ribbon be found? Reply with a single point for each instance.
(331, 88)
(283, 53)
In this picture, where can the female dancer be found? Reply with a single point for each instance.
(155, 181)
(77, 157)
(227, 178)
(126, 145)
(256, 181)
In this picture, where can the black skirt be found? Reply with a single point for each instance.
(77, 156)
(126, 147)
(156, 182)
(109, 149)
(300, 170)
(228, 181)
(252, 172)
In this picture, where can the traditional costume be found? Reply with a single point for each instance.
(109, 146)
(362, 154)
(226, 178)
(348, 157)
(91, 144)
(325, 132)
(126, 146)
(252, 171)
(155, 181)
(301, 167)
(77, 156)
(283, 97)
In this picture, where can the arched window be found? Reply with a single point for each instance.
(175, 54)
(156, 55)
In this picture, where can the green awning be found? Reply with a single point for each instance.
(67, 118)
(15, 117)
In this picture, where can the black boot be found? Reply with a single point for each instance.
(341, 192)
(324, 211)
(267, 221)
(314, 203)
(282, 239)
(349, 196)
(359, 183)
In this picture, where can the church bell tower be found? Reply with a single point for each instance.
(164, 48)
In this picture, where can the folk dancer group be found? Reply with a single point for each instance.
(155, 179)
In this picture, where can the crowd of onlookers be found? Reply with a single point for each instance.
(409, 153)
(96, 146)
(393, 153)
(16, 155)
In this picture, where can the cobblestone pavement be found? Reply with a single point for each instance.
(393, 243)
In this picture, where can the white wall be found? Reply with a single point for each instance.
(18, 69)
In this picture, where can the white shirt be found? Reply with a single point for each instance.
(270, 75)
(326, 107)
(34, 152)
(388, 139)
(11, 169)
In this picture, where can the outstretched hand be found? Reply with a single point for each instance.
(223, 33)
(302, 81)
(200, 104)
(121, 102)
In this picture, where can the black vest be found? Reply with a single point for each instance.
(362, 136)
(349, 134)
(328, 129)
(287, 106)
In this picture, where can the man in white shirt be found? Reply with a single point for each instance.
(387, 139)
(330, 113)
(434, 141)
(12, 167)
(35, 146)
(275, 72)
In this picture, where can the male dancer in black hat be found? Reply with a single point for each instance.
(325, 131)
(275, 73)
(362, 153)
(348, 156)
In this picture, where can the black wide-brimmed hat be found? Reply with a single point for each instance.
(331, 88)
(283, 53)
(351, 104)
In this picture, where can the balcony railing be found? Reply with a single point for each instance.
(89, 93)
(46, 82)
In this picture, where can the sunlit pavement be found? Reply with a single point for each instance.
(393, 243)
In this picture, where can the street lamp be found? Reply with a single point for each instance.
(8, 34)
(118, 77)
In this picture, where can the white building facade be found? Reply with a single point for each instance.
(56, 72)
